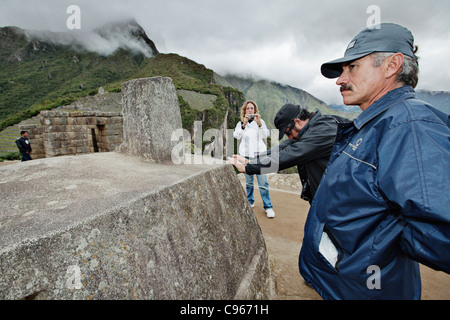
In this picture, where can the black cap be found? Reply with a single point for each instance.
(385, 37)
(284, 117)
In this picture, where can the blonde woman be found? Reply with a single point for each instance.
(251, 131)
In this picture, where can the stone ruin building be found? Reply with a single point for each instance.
(127, 224)
(74, 132)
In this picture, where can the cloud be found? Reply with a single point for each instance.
(105, 41)
(283, 40)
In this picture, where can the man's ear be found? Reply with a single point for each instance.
(394, 64)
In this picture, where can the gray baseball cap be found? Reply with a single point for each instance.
(385, 37)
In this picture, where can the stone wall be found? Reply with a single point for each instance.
(74, 133)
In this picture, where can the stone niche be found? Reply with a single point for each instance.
(114, 225)
(75, 132)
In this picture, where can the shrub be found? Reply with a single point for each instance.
(10, 156)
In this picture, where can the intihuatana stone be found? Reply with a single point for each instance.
(151, 113)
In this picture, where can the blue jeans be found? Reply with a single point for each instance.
(263, 189)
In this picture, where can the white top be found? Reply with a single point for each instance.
(251, 138)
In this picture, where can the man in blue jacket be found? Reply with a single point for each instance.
(24, 146)
(383, 205)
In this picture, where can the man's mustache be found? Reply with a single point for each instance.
(346, 87)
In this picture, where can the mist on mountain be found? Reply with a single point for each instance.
(106, 40)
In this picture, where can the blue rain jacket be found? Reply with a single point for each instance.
(383, 204)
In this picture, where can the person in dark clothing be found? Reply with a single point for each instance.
(24, 146)
(311, 138)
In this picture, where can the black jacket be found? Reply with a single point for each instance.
(24, 145)
(310, 153)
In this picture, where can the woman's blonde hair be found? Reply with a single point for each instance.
(244, 106)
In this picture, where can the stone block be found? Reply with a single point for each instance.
(67, 151)
(56, 121)
(116, 119)
(65, 144)
(79, 143)
(76, 135)
(109, 226)
(56, 128)
(77, 121)
(56, 136)
(91, 121)
(54, 113)
(113, 139)
(114, 126)
(82, 114)
(82, 121)
(75, 128)
(102, 120)
(35, 136)
(52, 145)
(109, 133)
(151, 113)
(72, 121)
(54, 152)
(82, 150)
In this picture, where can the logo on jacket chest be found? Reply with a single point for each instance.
(356, 145)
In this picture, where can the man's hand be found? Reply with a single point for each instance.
(239, 162)
(240, 159)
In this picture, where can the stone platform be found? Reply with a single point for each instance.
(113, 226)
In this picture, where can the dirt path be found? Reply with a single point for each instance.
(283, 236)
(6, 163)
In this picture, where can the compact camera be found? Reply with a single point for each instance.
(251, 117)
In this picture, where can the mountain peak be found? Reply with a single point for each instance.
(128, 28)
(105, 40)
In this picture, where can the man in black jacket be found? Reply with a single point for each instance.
(311, 138)
(24, 146)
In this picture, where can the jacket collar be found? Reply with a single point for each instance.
(316, 115)
(382, 104)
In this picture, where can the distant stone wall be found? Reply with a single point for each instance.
(73, 133)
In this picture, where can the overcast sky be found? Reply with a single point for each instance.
(281, 40)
